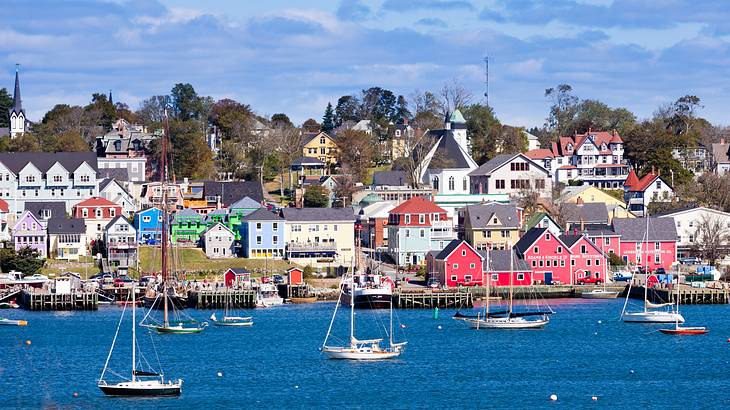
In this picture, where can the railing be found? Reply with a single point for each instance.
(310, 247)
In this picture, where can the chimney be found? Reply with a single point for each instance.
(653, 170)
(579, 201)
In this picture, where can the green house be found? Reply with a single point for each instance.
(237, 211)
(187, 226)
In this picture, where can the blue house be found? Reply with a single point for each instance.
(262, 235)
(148, 224)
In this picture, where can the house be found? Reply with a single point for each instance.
(580, 214)
(497, 268)
(511, 174)
(187, 226)
(320, 237)
(151, 195)
(416, 227)
(548, 257)
(120, 238)
(374, 220)
(148, 224)
(647, 242)
(639, 193)
(587, 193)
(543, 220)
(67, 238)
(392, 186)
(594, 157)
(720, 162)
(4, 221)
(29, 232)
(112, 190)
(533, 142)
(226, 193)
(447, 164)
(458, 264)
(262, 235)
(492, 225)
(67, 177)
(688, 223)
(237, 277)
(320, 146)
(238, 210)
(587, 260)
(96, 212)
(125, 147)
(694, 158)
(401, 138)
(303, 167)
(218, 242)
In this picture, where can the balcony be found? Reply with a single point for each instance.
(311, 247)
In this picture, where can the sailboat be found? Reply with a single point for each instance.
(506, 319)
(229, 318)
(649, 314)
(601, 293)
(682, 330)
(168, 292)
(141, 383)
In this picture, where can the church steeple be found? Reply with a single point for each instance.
(16, 113)
(17, 101)
(110, 97)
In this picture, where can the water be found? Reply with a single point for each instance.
(276, 363)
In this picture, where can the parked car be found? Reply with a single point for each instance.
(691, 260)
(146, 280)
(622, 276)
(589, 280)
(278, 279)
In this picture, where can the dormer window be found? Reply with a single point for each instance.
(84, 213)
(569, 147)
(98, 212)
(321, 140)
(603, 147)
(57, 178)
(118, 145)
(397, 133)
(84, 178)
(30, 178)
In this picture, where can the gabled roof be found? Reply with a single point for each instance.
(644, 183)
(390, 178)
(216, 225)
(588, 212)
(58, 209)
(95, 201)
(245, 203)
(634, 229)
(451, 247)
(66, 226)
(499, 261)
(262, 214)
(117, 219)
(232, 191)
(144, 211)
(186, 213)
(239, 271)
(569, 239)
(4, 206)
(308, 137)
(537, 217)
(448, 153)
(480, 215)
(540, 153)
(528, 239)
(318, 214)
(307, 161)
(16, 161)
(417, 205)
(498, 161)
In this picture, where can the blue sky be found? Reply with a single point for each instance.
(295, 56)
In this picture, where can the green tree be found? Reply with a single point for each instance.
(280, 120)
(6, 102)
(402, 113)
(24, 260)
(347, 109)
(152, 110)
(186, 104)
(103, 109)
(562, 111)
(328, 120)
(483, 127)
(316, 196)
(188, 150)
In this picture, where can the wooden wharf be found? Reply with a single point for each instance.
(217, 299)
(688, 295)
(44, 300)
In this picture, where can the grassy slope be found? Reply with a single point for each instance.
(194, 260)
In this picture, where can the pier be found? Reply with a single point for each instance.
(214, 299)
(430, 300)
(44, 300)
(687, 295)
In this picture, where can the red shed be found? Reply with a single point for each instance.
(458, 264)
(237, 276)
(296, 276)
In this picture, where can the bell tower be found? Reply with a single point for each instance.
(16, 112)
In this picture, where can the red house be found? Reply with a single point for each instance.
(587, 260)
(547, 256)
(647, 242)
(497, 265)
(237, 277)
(458, 264)
(295, 276)
(96, 208)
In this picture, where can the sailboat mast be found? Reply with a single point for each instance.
(489, 279)
(391, 320)
(511, 284)
(164, 220)
(646, 263)
(134, 334)
(352, 302)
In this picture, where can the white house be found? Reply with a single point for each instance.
(639, 193)
(218, 240)
(688, 222)
(120, 239)
(510, 174)
(721, 157)
(112, 190)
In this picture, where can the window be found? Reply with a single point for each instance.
(258, 226)
(606, 241)
(275, 226)
(488, 234)
(535, 250)
(144, 218)
(547, 263)
(467, 278)
(562, 263)
(659, 185)
(451, 183)
(85, 178)
(275, 239)
(534, 263)
(505, 234)
(472, 265)
(30, 178)
(691, 238)
(583, 249)
(540, 263)
(98, 212)
(559, 249)
(453, 278)
(408, 219)
(499, 184)
(296, 228)
(408, 233)
(455, 266)
(112, 212)
(520, 276)
(435, 182)
(334, 227)
(465, 184)
(85, 214)
(598, 262)
(656, 258)
(435, 217)
(463, 252)
(322, 151)
(657, 246)
(547, 236)
(588, 262)
(321, 140)
(421, 218)
(258, 240)
(422, 233)
(519, 166)
(572, 262)
(495, 277)
(57, 178)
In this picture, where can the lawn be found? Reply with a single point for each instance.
(53, 268)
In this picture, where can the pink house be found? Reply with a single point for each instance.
(29, 232)
(458, 264)
(647, 242)
(547, 256)
(586, 260)
(496, 264)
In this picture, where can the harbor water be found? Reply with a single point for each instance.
(276, 363)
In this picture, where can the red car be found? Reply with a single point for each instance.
(589, 280)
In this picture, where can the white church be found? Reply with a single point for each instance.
(18, 121)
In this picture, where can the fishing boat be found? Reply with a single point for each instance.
(166, 296)
(371, 291)
(9, 305)
(229, 317)
(682, 330)
(267, 295)
(142, 383)
(508, 318)
(12, 322)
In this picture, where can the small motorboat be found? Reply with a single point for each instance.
(9, 305)
(11, 322)
(309, 299)
(680, 330)
(599, 294)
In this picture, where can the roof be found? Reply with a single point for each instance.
(498, 161)
(644, 182)
(120, 174)
(245, 203)
(450, 247)
(4, 206)
(540, 153)
(232, 191)
(480, 215)
(96, 201)
(448, 153)
(588, 212)
(58, 209)
(720, 153)
(16, 161)
(377, 210)
(537, 217)
(186, 213)
(634, 229)
(239, 271)
(691, 208)
(456, 117)
(17, 101)
(499, 261)
(390, 178)
(307, 161)
(65, 225)
(318, 214)
(417, 205)
(308, 137)
(632, 179)
(217, 224)
(262, 214)
(596, 230)
(570, 239)
(117, 218)
(528, 239)
(371, 198)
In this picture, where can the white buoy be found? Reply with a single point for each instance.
(296, 386)
(595, 334)
(594, 398)
(631, 371)
(220, 374)
(438, 327)
(553, 397)
(599, 322)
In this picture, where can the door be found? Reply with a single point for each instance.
(548, 278)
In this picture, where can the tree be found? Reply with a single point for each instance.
(24, 260)
(233, 119)
(453, 96)
(347, 109)
(420, 144)
(6, 103)
(343, 190)
(123, 111)
(316, 196)
(281, 120)
(355, 152)
(711, 238)
(188, 150)
(562, 110)
(287, 142)
(103, 109)
(152, 110)
(595, 115)
(402, 113)
(328, 120)
(482, 127)
(186, 104)
(311, 126)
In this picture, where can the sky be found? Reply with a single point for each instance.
(294, 56)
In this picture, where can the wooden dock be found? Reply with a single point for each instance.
(687, 294)
(213, 299)
(40, 300)
(430, 300)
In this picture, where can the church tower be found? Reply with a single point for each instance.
(457, 125)
(16, 112)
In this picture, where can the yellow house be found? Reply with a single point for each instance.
(492, 225)
(616, 207)
(320, 237)
(320, 146)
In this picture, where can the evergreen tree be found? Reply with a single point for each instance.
(402, 112)
(328, 120)
(6, 102)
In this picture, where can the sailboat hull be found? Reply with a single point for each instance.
(232, 324)
(687, 331)
(359, 354)
(507, 323)
(599, 294)
(157, 303)
(141, 389)
(369, 300)
(653, 317)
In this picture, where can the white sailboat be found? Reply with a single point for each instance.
(508, 319)
(229, 316)
(141, 383)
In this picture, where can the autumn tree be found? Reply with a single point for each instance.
(152, 110)
(711, 238)
(355, 150)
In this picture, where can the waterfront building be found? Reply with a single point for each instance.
(587, 260)
(29, 232)
(218, 242)
(374, 221)
(492, 225)
(416, 227)
(457, 264)
(647, 242)
(120, 238)
(690, 221)
(186, 227)
(320, 237)
(511, 174)
(639, 193)
(148, 224)
(96, 213)
(498, 268)
(235, 277)
(151, 195)
(548, 257)
(67, 238)
(262, 235)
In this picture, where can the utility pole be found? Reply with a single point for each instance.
(486, 79)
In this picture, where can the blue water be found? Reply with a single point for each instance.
(276, 363)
